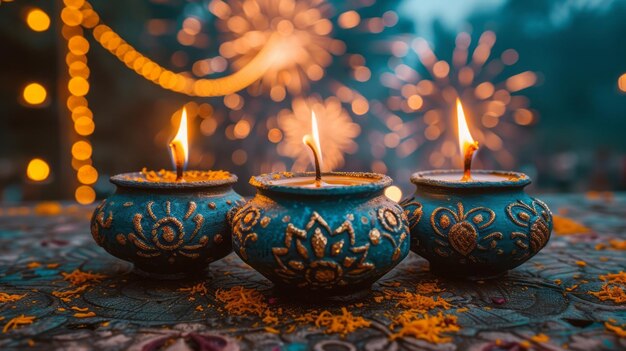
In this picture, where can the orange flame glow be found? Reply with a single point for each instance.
(465, 137)
(313, 142)
(179, 147)
(467, 144)
(316, 136)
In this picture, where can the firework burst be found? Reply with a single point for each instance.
(305, 46)
(477, 78)
(336, 128)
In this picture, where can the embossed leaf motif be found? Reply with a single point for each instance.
(462, 229)
(302, 250)
(462, 237)
(315, 246)
(265, 221)
(534, 216)
(248, 217)
(336, 248)
(391, 218)
(319, 242)
(393, 229)
(99, 222)
(167, 234)
(413, 210)
(244, 221)
(539, 235)
(297, 265)
(375, 236)
(444, 221)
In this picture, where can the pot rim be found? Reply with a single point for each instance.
(422, 178)
(264, 182)
(122, 180)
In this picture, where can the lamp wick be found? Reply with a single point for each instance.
(179, 161)
(467, 165)
(318, 171)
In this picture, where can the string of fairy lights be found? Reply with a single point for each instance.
(75, 15)
(179, 82)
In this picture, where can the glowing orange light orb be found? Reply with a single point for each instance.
(37, 170)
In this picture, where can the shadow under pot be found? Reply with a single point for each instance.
(167, 229)
(475, 229)
(333, 240)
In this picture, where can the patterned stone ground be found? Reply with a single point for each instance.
(124, 311)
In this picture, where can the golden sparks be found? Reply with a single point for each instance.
(304, 44)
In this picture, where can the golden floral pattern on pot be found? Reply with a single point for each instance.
(536, 218)
(325, 256)
(154, 235)
(100, 222)
(459, 231)
(413, 215)
(393, 227)
(244, 221)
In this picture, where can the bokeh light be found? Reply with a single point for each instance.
(78, 86)
(349, 19)
(394, 193)
(476, 76)
(84, 126)
(37, 170)
(621, 82)
(34, 94)
(81, 150)
(85, 195)
(78, 45)
(87, 174)
(38, 20)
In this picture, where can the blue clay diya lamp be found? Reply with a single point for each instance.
(475, 224)
(475, 229)
(334, 239)
(168, 224)
(329, 233)
(168, 229)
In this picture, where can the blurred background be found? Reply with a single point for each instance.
(91, 89)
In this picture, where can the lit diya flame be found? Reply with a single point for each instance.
(179, 147)
(313, 142)
(467, 144)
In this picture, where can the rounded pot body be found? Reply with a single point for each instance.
(167, 230)
(476, 230)
(333, 241)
